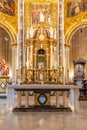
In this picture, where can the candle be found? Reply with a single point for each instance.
(31, 31)
(54, 33)
(51, 32)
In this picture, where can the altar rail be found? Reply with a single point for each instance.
(70, 94)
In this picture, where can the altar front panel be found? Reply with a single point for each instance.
(3, 83)
(42, 99)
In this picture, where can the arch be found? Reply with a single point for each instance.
(68, 36)
(73, 29)
(41, 51)
(9, 29)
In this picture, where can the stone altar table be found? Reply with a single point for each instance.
(71, 90)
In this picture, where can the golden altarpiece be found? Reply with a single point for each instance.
(41, 33)
(41, 44)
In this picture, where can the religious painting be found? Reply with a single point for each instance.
(38, 10)
(7, 7)
(75, 7)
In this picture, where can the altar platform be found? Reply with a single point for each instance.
(66, 97)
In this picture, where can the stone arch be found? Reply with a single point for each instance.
(13, 41)
(41, 57)
(68, 36)
(9, 29)
(71, 31)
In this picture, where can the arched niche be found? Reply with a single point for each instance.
(74, 47)
(41, 58)
(5, 48)
(78, 46)
(74, 30)
(7, 38)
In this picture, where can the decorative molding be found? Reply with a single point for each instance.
(72, 29)
(14, 44)
(67, 45)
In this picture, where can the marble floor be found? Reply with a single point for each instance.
(43, 120)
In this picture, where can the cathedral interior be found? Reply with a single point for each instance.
(43, 61)
(42, 39)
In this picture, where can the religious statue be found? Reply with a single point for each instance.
(3, 68)
(41, 76)
(40, 65)
(28, 64)
(42, 17)
(27, 33)
(55, 65)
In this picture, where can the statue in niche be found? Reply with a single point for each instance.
(40, 65)
(41, 72)
(41, 76)
(41, 17)
(79, 74)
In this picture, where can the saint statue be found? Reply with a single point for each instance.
(3, 68)
(42, 17)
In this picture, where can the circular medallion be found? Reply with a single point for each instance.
(41, 37)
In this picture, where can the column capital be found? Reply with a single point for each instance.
(67, 45)
(14, 44)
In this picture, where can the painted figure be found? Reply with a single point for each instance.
(75, 7)
(41, 13)
(7, 7)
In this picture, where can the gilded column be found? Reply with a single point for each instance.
(48, 64)
(47, 58)
(51, 55)
(55, 62)
(27, 53)
(35, 65)
(31, 55)
(35, 56)
(28, 57)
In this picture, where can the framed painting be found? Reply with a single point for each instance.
(74, 7)
(7, 7)
(37, 9)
